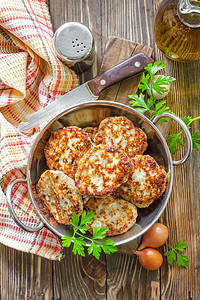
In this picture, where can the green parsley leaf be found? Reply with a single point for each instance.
(174, 140)
(174, 255)
(99, 233)
(196, 141)
(181, 246)
(78, 246)
(66, 240)
(74, 220)
(78, 238)
(155, 67)
(182, 261)
(171, 256)
(86, 218)
(83, 228)
(159, 104)
(162, 80)
(186, 120)
(160, 108)
(108, 246)
(150, 102)
(144, 85)
(95, 250)
(138, 102)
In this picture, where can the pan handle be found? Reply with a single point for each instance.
(12, 212)
(185, 129)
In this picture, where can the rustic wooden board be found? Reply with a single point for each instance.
(25, 276)
(117, 50)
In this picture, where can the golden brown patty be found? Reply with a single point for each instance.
(122, 134)
(102, 170)
(117, 215)
(65, 148)
(146, 182)
(91, 131)
(60, 195)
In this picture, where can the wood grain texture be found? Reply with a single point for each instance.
(126, 279)
(24, 276)
(182, 213)
(119, 276)
(71, 281)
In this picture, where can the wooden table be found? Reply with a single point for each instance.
(119, 276)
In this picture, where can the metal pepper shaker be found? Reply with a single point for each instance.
(74, 46)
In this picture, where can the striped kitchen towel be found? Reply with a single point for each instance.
(31, 76)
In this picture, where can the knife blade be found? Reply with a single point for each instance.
(88, 91)
(79, 95)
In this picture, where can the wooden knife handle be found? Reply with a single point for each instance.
(129, 67)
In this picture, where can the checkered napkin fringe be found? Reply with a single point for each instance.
(31, 76)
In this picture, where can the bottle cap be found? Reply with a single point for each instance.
(74, 46)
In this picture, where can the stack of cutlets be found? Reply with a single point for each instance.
(101, 170)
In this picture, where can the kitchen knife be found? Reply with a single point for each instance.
(90, 90)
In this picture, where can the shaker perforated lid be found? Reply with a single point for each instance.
(74, 43)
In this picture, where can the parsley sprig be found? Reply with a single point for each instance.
(174, 255)
(175, 139)
(80, 227)
(144, 104)
(147, 84)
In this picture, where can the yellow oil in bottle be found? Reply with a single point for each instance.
(177, 39)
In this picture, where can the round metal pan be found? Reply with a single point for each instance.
(91, 114)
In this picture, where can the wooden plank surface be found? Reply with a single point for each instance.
(117, 50)
(25, 276)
